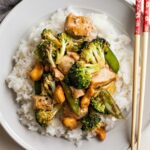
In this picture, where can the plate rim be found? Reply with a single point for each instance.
(3, 123)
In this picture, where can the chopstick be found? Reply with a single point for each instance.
(135, 69)
(143, 68)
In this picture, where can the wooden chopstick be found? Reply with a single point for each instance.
(143, 67)
(135, 69)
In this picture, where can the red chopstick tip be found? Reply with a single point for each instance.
(146, 16)
(138, 17)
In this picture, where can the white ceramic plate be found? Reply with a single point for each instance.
(14, 27)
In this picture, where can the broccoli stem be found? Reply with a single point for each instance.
(47, 34)
(72, 102)
(50, 58)
(55, 110)
(48, 85)
(92, 68)
(62, 52)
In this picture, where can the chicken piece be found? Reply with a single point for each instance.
(46, 68)
(42, 103)
(74, 55)
(90, 92)
(70, 123)
(36, 72)
(101, 134)
(59, 95)
(58, 74)
(78, 26)
(77, 92)
(85, 101)
(65, 64)
(104, 77)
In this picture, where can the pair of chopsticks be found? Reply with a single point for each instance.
(138, 23)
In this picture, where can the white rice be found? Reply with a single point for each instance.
(24, 60)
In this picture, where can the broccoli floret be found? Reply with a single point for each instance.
(110, 57)
(41, 49)
(93, 53)
(98, 104)
(80, 74)
(103, 43)
(43, 117)
(64, 40)
(90, 122)
(76, 45)
(48, 35)
(97, 51)
(45, 52)
(67, 44)
(48, 85)
(102, 96)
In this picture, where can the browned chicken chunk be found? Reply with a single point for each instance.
(78, 25)
(65, 64)
(42, 102)
(74, 55)
(77, 92)
(85, 101)
(58, 74)
(104, 77)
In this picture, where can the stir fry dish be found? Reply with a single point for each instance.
(75, 78)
